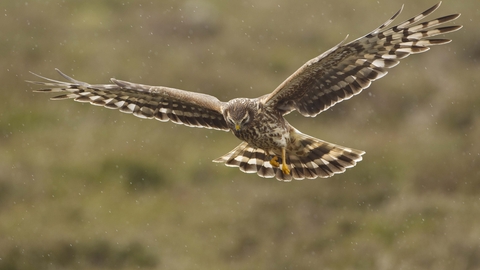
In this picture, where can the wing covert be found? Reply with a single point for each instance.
(148, 102)
(346, 69)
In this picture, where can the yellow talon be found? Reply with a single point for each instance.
(274, 162)
(285, 169)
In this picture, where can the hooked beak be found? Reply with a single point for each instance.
(237, 127)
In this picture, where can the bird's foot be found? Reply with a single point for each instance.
(274, 162)
(285, 169)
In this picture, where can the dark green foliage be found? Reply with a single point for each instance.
(98, 254)
(135, 175)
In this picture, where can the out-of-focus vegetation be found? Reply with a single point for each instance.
(83, 187)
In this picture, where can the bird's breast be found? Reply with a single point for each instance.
(265, 133)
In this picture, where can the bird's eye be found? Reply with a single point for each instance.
(245, 119)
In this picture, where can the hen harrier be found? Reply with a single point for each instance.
(270, 146)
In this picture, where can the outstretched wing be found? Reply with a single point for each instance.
(346, 69)
(162, 103)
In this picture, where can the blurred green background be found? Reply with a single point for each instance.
(82, 187)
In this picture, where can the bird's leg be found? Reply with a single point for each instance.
(274, 160)
(285, 169)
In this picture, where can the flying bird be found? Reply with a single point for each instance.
(270, 146)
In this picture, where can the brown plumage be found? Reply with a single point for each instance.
(271, 147)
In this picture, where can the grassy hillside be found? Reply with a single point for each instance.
(82, 187)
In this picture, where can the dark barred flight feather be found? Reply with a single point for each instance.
(347, 69)
(158, 102)
(270, 146)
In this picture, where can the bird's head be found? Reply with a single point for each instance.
(238, 113)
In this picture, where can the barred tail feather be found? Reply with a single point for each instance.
(316, 158)
(249, 160)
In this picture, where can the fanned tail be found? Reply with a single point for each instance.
(308, 158)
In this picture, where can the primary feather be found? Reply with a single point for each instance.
(346, 69)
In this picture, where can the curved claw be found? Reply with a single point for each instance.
(285, 169)
(274, 161)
